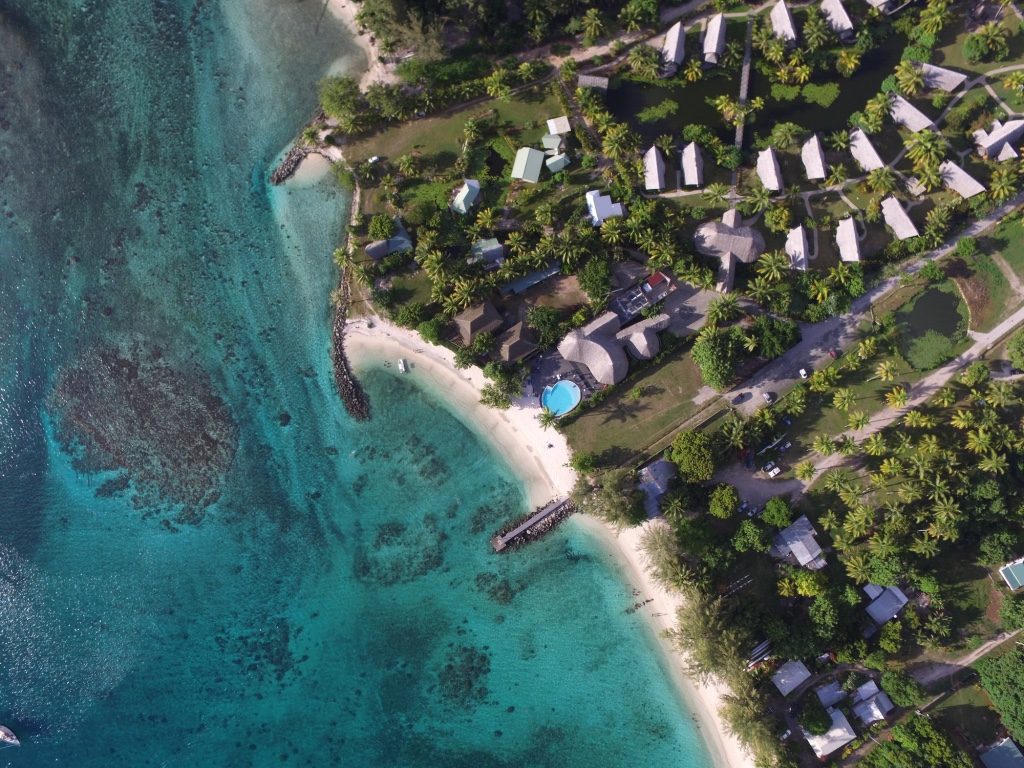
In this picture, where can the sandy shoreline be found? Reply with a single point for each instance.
(518, 437)
(376, 70)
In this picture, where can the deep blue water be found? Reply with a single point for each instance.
(203, 561)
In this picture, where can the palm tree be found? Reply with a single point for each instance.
(945, 397)
(723, 309)
(613, 231)
(619, 142)
(836, 175)
(886, 370)
(843, 399)
(979, 440)
(926, 148)
(547, 418)
(760, 290)
(896, 397)
(909, 77)
(644, 61)
(773, 266)
(846, 446)
(856, 420)
(891, 466)
(1003, 183)
(847, 62)
(924, 547)
(839, 140)
(734, 430)
(875, 445)
(824, 445)
(882, 180)
(816, 32)
(994, 464)
(818, 290)
(805, 471)
(592, 24)
(858, 567)
(929, 176)
(631, 16)
(875, 111)
(717, 193)
(693, 71)
(486, 218)
(962, 419)
(821, 380)
(497, 84)
(867, 348)
(758, 199)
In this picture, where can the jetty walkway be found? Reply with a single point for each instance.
(534, 526)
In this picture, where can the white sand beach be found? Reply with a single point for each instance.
(518, 437)
(376, 70)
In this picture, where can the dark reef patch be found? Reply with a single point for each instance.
(499, 589)
(464, 675)
(401, 552)
(163, 425)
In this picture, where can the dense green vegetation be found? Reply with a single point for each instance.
(1003, 678)
(917, 743)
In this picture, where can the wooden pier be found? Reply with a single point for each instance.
(534, 526)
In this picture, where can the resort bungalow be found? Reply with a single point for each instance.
(483, 318)
(907, 115)
(466, 196)
(790, 676)
(882, 6)
(813, 156)
(516, 343)
(863, 151)
(557, 163)
(837, 17)
(398, 242)
(673, 49)
(897, 219)
(655, 480)
(489, 253)
(1013, 574)
(839, 735)
(559, 125)
(602, 208)
(528, 164)
(886, 603)
(592, 81)
(797, 248)
(870, 703)
(942, 79)
(782, 22)
(714, 39)
(729, 241)
(654, 170)
(1003, 754)
(996, 144)
(552, 143)
(830, 694)
(846, 240)
(768, 170)
(798, 542)
(959, 180)
(692, 163)
(601, 345)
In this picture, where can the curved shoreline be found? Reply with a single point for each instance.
(518, 438)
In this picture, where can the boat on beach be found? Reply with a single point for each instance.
(7, 738)
(402, 365)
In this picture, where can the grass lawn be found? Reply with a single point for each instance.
(619, 427)
(1007, 239)
(407, 288)
(949, 52)
(983, 286)
(443, 133)
(968, 591)
(969, 715)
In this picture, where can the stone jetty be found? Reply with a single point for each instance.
(532, 526)
(349, 388)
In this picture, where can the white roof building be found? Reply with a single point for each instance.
(839, 735)
(882, 5)
(813, 156)
(714, 38)
(796, 247)
(837, 17)
(790, 675)
(559, 126)
(768, 170)
(846, 239)
(601, 207)
(959, 180)
(940, 78)
(654, 170)
(863, 151)
(692, 162)
(992, 144)
(887, 605)
(897, 219)
(782, 22)
(830, 694)
(871, 704)
(466, 196)
(907, 115)
(673, 49)
(798, 541)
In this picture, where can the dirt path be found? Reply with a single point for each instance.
(1009, 274)
(934, 671)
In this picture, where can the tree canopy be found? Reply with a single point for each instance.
(692, 452)
(1003, 678)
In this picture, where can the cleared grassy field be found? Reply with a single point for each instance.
(969, 716)
(620, 426)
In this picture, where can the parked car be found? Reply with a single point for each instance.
(775, 472)
(785, 734)
(803, 373)
(768, 397)
(768, 467)
(739, 398)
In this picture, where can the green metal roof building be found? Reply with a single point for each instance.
(528, 164)
(557, 163)
(1013, 574)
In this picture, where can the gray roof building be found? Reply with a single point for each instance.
(897, 219)
(557, 163)
(714, 38)
(907, 115)
(466, 196)
(782, 22)
(528, 164)
(592, 81)
(400, 241)
(839, 735)
(602, 208)
(1003, 754)
(768, 169)
(940, 78)
(959, 180)
(654, 170)
(863, 151)
(837, 17)
(813, 156)
(488, 252)
(790, 675)
(992, 144)
(887, 605)
(673, 49)
(799, 542)
(846, 240)
(692, 162)
(830, 694)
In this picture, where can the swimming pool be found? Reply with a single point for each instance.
(562, 397)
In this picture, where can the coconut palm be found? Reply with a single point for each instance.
(837, 175)
(693, 71)
(875, 445)
(896, 397)
(723, 309)
(592, 24)
(926, 148)
(843, 399)
(933, 19)
(816, 31)
(498, 84)
(805, 471)
(547, 418)
(929, 176)
(962, 419)
(858, 567)
(818, 290)
(847, 62)
(758, 199)
(979, 440)
(882, 181)
(760, 290)
(1003, 183)
(734, 430)
(994, 464)
(1014, 82)
(891, 466)
(619, 142)
(924, 546)
(644, 61)
(875, 111)
(945, 397)
(846, 446)
(824, 445)
(717, 193)
(856, 420)
(486, 218)
(773, 266)
(909, 77)
(886, 370)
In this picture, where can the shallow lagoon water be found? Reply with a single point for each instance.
(258, 581)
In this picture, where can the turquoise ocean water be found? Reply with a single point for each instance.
(203, 561)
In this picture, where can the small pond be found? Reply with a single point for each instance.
(628, 98)
(933, 328)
